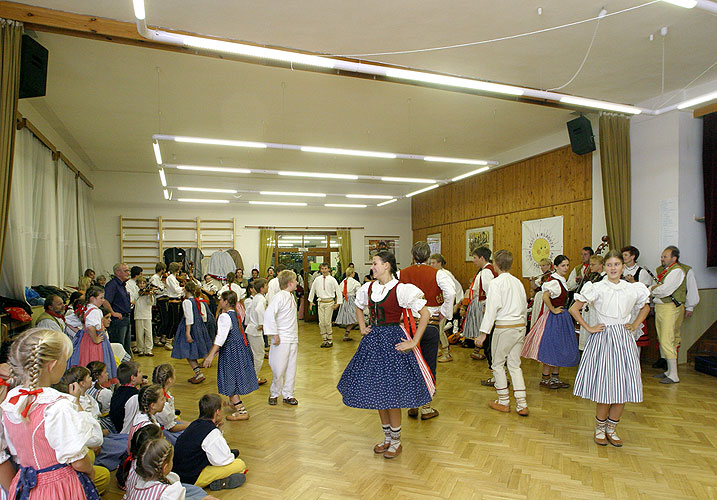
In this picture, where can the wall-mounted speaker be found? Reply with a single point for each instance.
(33, 68)
(581, 136)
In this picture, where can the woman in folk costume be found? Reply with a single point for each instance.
(191, 341)
(388, 372)
(609, 371)
(346, 316)
(551, 339)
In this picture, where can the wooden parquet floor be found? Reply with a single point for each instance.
(323, 450)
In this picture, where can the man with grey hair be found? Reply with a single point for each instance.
(117, 300)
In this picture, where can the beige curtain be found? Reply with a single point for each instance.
(344, 238)
(615, 167)
(267, 245)
(10, 40)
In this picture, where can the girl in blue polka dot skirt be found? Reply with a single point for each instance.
(388, 371)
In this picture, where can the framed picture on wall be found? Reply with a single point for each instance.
(476, 238)
(374, 244)
(434, 241)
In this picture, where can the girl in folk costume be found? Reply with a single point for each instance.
(150, 402)
(346, 316)
(551, 339)
(163, 375)
(46, 432)
(73, 324)
(235, 373)
(101, 394)
(384, 374)
(92, 342)
(152, 466)
(609, 371)
(191, 341)
(476, 300)
(235, 287)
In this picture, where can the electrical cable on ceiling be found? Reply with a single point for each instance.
(688, 85)
(481, 42)
(597, 25)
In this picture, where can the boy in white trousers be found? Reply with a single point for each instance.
(327, 290)
(143, 302)
(280, 323)
(506, 307)
(255, 324)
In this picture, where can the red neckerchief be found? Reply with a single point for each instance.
(55, 315)
(663, 273)
(33, 394)
(470, 289)
(346, 285)
(585, 268)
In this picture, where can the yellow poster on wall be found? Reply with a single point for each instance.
(541, 239)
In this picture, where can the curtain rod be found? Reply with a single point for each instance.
(23, 122)
(304, 227)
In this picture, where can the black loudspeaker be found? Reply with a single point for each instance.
(581, 136)
(33, 68)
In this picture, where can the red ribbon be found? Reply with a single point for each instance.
(166, 396)
(13, 400)
(346, 285)
(3, 382)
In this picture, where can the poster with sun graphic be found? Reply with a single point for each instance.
(542, 239)
(478, 237)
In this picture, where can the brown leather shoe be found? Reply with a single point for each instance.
(236, 416)
(261, 381)
(393, 454)
(523, 412)
(273, 401)
(197, 379)
(429, 415)
(477, 355)
(499, 407)
(291, 401)
(413, 412)
(381, 447)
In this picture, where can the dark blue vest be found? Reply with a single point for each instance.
(189, 457)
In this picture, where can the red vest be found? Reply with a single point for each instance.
(561, 299)
(424, 277)
(387, 311)
(481, 292)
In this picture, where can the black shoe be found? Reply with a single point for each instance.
(235, 452)
(273, 401)
(177, 412)
(660, 363)
(228, 483)
(291, 401)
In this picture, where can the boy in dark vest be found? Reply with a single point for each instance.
(439, 292)
(202, 455)
(124, 405)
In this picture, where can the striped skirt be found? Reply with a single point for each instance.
(474, 316)
(609, 371)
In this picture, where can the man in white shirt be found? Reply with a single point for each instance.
(53, 317)
(327, 290)
(632, 271)
(160, 295)
(670, 295)
(438, 262)
(255, 324)
(581, 270)
(280, 323)
(506, 308)
(133, 290)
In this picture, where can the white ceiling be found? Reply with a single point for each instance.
(107, 99)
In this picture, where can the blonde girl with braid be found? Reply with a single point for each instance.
(191, 341)
(46, 432)
(150, 401)
(163, 375)
(7, 471)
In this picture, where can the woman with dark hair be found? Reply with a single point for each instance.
(552, 340)
(384, 374)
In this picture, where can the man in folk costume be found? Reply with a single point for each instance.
(477, 295)
(581, 270)
(633, 273)
(439, 292)
(53, 317)
(670, 295)
(438, 262)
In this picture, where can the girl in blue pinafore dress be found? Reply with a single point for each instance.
(552, 339)
(235, 374)
(388, 371)
(191, 341)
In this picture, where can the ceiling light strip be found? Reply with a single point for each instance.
(288, 193)
(370, 196)
(281, 203)
(343, 205)
(206, 190)
(469, 174)
(201, 200)
(422, 190)
(387, 202)
(162, 177)
(157, 152)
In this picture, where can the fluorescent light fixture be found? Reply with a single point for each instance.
(220, 142)
(387, 202)
(453, 81)
(166, 194)
(348, 152)
(139, 9)
(469, 174)
(697, 100)
(207, 190)
(407, 179)
(200, 200)
(214, 169)
(282, 203)
(422, 190)
(687, 4)
(455, 160)
(256, 51)
(162, 177)
(157, 152)
(370, 196)
(593, 103)
(286, 193)
(314, 237)
(343, 205)
(320, 175)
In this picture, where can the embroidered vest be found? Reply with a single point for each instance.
(424, 277)
(561, 299)
(386, 311)
(481, 291)
(680, 294)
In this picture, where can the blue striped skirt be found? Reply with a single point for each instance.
(609, 370)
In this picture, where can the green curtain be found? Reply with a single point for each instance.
(267, 245)
(10, 41)
(615, 168)
(344, 238)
